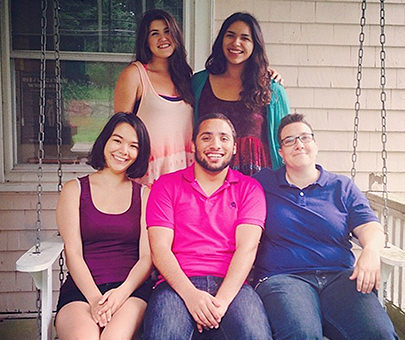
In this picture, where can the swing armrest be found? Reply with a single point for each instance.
(50, 250)
(390, 255)
(40, 267)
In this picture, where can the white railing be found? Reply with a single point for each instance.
(396, 236)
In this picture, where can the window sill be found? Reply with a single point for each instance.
(24, 177)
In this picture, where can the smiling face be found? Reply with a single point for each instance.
(214, 145)
(121, 149)
(237, 43)
(299, 155)
(160, 40)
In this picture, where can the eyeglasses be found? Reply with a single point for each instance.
(305, 138)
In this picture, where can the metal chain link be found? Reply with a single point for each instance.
(358, 88)
(58, 92)
(59, 126)
(41, 153)
(41, 121)
(61, 265)
(383, 98)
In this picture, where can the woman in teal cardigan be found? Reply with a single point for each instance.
(237, 83)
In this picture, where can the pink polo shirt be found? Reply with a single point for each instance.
(204, 226)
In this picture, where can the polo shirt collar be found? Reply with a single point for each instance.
(321, 181)
(231, 176)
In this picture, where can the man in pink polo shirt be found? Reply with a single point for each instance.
(204, 225)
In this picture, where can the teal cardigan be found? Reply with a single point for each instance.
(275, 111)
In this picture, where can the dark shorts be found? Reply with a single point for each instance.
(70, 293)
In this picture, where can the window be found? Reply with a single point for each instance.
(97, 39)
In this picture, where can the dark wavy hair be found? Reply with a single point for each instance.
(255, 76)
(180, 70)
(140, 166)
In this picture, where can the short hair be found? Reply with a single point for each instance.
(289, 119)
(96, 156)
(208, 116)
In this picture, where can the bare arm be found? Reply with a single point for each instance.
(367, 269)
(127, 90)
(247, 241)
(200, 304)
(114, 298)
(68, 221)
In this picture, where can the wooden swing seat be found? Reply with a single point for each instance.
(40, 267)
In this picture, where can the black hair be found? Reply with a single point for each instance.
(140, 166)
(180, 71)
(208, 116)
(289, 119)
(255, 76)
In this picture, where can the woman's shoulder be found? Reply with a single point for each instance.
(197, 83)
(279, 98)
(71, 190)
(199, 76)
(131, 72)
(276, 87)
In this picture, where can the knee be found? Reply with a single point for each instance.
(167, 331)
(385, 332)
(254, 331)
(162, 322)
(298, 333)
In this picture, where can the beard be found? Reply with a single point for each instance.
(216, 168)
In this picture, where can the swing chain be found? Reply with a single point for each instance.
(358, 88)
(383, 98)
(58, 92)
(41, 121)
(41, 152)
(61, 272)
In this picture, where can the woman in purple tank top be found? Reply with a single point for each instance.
(100, 218)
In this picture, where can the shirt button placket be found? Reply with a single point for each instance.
(301, 198)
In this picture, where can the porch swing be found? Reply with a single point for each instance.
(39, 259)
(391, 256)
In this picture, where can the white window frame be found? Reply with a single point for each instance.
(198, 16)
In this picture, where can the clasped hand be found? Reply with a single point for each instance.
(206, 310)
(103, 309)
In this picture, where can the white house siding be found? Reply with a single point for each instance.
(314, 45)
(17, 234)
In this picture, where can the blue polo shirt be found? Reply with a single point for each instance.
(308, 229)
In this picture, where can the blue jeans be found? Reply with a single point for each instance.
(308, 305)
(167, 317)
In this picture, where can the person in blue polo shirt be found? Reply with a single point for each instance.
(305, 272)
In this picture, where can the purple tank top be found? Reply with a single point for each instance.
(110, 241)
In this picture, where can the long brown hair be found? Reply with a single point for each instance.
(180, 70)
(255, 76)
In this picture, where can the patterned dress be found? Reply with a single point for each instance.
(170, 126)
